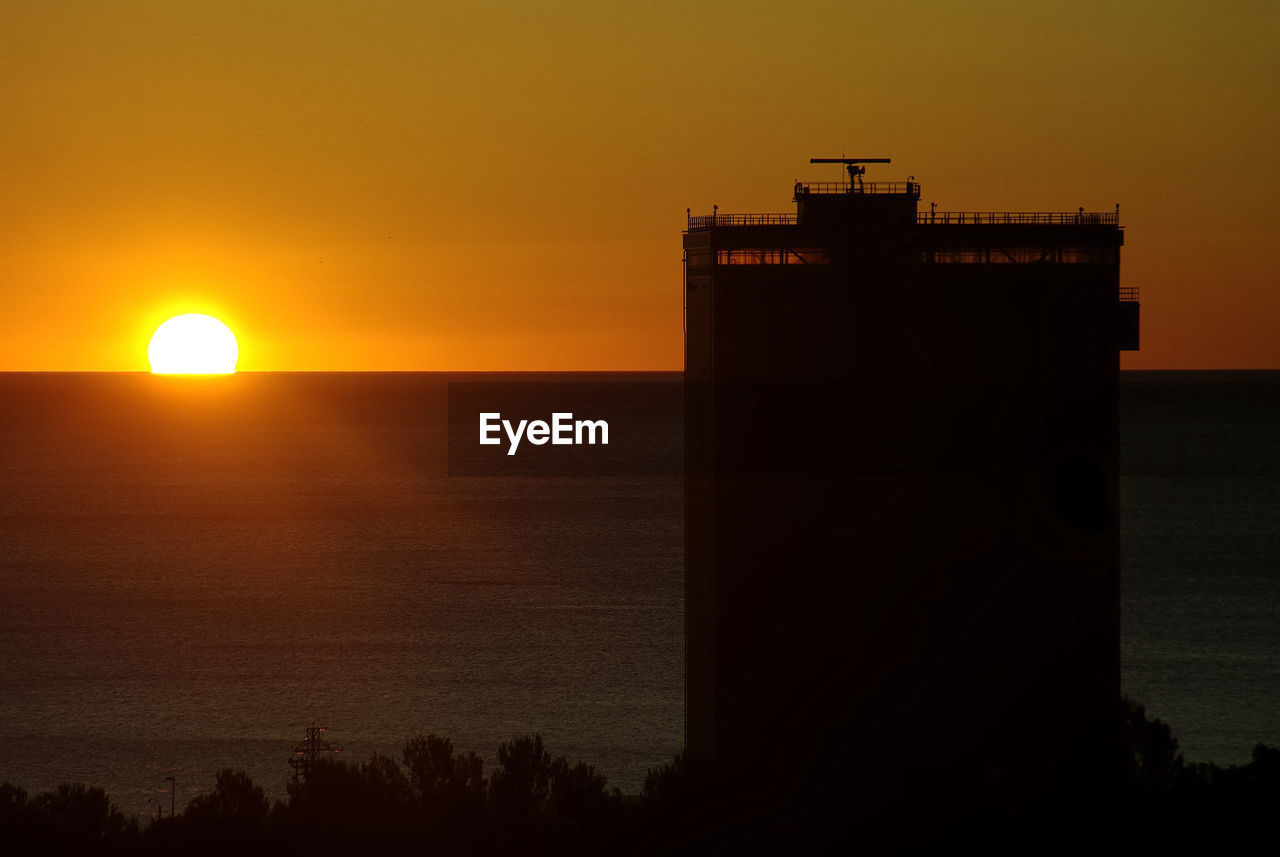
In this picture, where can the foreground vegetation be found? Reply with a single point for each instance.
(438, 800)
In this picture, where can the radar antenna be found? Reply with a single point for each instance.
(853, 165)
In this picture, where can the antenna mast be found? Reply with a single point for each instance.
(853, 165)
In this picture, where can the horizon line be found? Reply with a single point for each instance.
(334, 372)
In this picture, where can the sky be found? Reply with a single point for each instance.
(502, 185)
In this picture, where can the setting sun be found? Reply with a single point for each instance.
(193, 344)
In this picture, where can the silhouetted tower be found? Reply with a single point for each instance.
(308, 751)
(902, 535)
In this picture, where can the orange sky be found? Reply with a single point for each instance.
(498, 185)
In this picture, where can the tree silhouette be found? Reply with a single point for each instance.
(13, 803)
(685, 800)
(235, 804)
(337, 796)
(1154, 761)
(83, 815)
(521, 785)
(440, 802)
(579, 794)
(448, 788)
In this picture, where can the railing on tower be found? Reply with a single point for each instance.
(810, 188)
(1050, 218)
(708, 221)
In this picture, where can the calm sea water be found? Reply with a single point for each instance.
(1200, 496)
(194, 570)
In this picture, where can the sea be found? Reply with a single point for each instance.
(1200, 556)
(195, 570)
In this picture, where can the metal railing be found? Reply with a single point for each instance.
(709, 221)
(975, 218)
(1052, 218)
(805, 188)
(1129, 295)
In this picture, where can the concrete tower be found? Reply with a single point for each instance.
(902, 544)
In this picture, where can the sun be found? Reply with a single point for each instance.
(193, 344)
